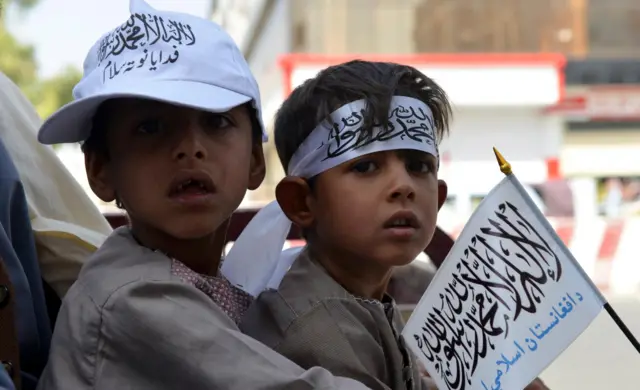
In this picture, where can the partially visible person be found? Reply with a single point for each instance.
(68, 227)
(25, 327)
(537, 384)
(170, 121)
(409, 282)
(5, 380)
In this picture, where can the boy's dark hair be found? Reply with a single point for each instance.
(97, 142)
(377, 82)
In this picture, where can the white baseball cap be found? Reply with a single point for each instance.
(165, 56)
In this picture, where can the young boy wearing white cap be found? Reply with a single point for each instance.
(169, 116)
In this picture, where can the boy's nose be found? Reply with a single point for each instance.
(190, 144)
(402, 185)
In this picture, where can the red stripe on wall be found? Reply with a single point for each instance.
(610, 241)
(565, 232)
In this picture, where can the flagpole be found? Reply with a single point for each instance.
(505, 168)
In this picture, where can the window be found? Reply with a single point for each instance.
(498, 26)
(614, 27)
(618, 196)
(299, 38)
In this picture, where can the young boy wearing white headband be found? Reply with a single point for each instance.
(169, 116)
(359, 145)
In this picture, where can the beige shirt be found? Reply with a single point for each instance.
(314, 321)
(130, 323)
(67, 225)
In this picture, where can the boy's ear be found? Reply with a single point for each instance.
(98, 176)
(442, 193)
(293, 195)
(257, 167)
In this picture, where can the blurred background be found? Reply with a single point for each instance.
(554, 84)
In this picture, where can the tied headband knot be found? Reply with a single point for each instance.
(256, 261)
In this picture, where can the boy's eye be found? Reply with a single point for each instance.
(420, 166)
(150, 127)
(217, 121)
(364, 166)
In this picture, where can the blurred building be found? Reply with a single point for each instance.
(552, 83)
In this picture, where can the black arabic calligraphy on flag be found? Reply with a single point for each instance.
(504, 274)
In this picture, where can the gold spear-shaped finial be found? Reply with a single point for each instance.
(505, 167)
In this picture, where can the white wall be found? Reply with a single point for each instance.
(238, 18)
(523, 135)
(478, 85)
(603, 152)
(273, 42)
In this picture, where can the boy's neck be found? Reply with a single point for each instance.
(201, 255)
(358, 276)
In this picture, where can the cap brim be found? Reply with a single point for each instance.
(72, 123)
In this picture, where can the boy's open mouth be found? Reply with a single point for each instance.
(402, 220)
(191, 183)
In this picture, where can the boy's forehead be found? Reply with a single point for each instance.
(397, 153)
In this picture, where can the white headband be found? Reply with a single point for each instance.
(256, 261)
(341, 138)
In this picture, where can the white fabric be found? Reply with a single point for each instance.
(67, 225)
(166, 56)
(339, 139)
(256, 261)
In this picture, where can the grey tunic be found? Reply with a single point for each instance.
(314, 321)
(129, 323)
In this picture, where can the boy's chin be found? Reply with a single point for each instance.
(395, 261)
(193, 231)
(400, 258)
(400, 261)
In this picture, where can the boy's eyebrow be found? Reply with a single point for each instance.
(415, 153)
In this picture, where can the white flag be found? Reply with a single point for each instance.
(508, 299)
